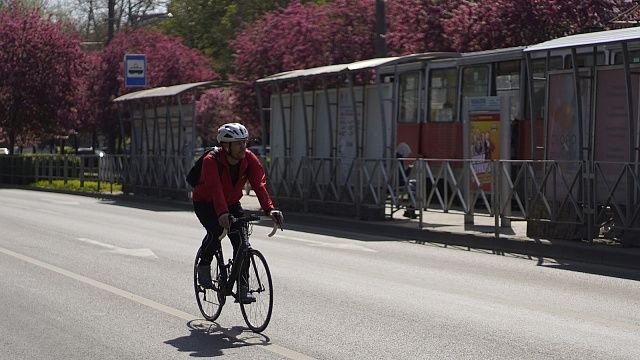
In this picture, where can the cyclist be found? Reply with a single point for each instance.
(218, 194)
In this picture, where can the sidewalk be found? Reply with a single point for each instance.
(449, 229)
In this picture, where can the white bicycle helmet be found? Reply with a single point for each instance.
(232, 132)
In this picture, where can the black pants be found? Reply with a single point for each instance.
(209, 219)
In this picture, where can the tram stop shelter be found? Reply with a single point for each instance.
(159, 130)
(332, 134)
(591, 130)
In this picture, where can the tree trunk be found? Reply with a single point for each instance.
(111, 11)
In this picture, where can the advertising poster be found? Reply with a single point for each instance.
(484, 142)
(613, 131)
(347, 136)
(563, 137)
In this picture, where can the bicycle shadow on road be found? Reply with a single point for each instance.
(208, 339)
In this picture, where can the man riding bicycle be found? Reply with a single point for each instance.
(225, 170)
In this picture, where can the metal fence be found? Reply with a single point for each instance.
(583, 200)
(29, 169)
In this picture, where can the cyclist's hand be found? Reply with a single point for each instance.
(277, 216)
(224, 221)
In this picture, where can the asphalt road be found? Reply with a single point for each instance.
(109, 279)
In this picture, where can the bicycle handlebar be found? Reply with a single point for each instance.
(250, 218)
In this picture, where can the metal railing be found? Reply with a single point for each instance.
(589, 199)
(580, 198)
(30, 169)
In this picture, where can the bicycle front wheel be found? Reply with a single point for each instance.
(257, 314)
(210, 301)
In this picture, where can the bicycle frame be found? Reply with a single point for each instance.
(238, 259)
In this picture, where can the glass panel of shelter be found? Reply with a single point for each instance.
(409, 97)
(443, 84)
(507, 83)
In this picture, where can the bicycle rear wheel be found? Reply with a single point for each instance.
(257, 314)
(210, 301)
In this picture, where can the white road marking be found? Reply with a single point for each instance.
(123, 251)
(249, 339)
(328, 245)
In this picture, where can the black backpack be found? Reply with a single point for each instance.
(193, 177)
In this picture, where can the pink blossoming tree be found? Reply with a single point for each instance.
(41, 69)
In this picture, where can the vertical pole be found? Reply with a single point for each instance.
(532, 119)
(121, 127)
(633, 138)
(50, 169)
(586, 175)
(386, 152)
(380, 30)
(305, 117)
(283, 118)
(496, 198)
(180, 150)
(98, 170)
(82, 171)
(263, 124)
(134, 142)
(358, 144)
(329, 115)
(466, 161)
(168, 129)
(355, 114)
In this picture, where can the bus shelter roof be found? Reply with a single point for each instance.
(165, 91)
(588, 39)
(354, 66)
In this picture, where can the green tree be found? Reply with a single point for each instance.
(210, 25)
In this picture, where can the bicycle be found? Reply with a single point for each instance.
(256, 275)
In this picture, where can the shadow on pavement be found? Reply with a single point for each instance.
(146, 204)
(593, 269)
(207, 339)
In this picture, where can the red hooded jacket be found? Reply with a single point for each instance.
(218, 190)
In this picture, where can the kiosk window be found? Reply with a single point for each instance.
(409, 97)
(442, 90)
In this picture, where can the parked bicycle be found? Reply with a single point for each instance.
(248, 268)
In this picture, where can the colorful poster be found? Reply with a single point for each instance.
(484, 142)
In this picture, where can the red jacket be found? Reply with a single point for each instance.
(217, 189)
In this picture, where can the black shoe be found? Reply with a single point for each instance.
(204, 276)
(245, 296)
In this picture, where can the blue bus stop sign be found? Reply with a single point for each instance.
(135, 70)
